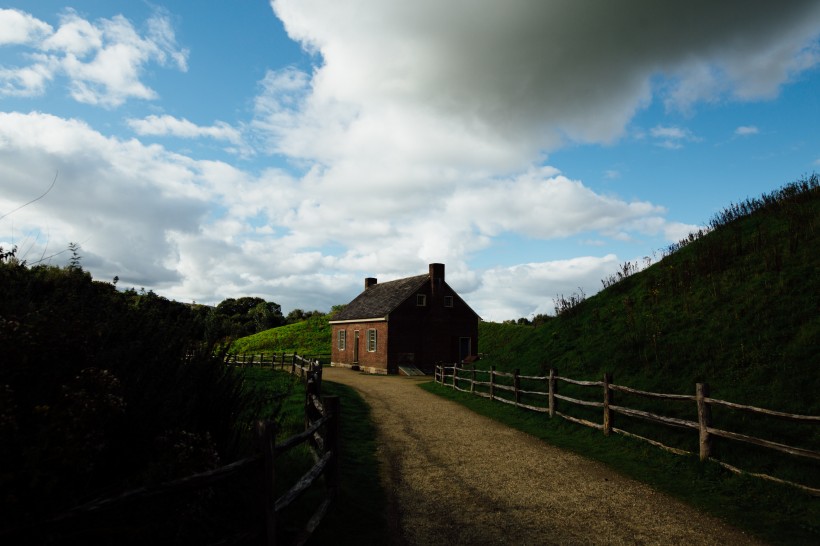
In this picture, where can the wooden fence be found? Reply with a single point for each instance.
(273, 360)
(322, 433)
(466, 380)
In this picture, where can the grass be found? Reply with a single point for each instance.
(736, 307)
(309, 337)
(777, 514)
(358, 516)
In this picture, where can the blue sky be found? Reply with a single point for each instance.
(290, 149)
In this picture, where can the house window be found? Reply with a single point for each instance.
(421, 300)
(448, 301)
(371, 341)
(342, 339)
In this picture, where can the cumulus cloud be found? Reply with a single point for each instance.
(119, 199)
(547, 72)
(103, 60)
(421, 135)
(17, 27)
(530, 289)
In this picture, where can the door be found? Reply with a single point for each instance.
(355, 346)
(463, 348)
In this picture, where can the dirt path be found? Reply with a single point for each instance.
(455, 477)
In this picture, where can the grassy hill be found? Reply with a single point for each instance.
(309, 337)
(738, 307)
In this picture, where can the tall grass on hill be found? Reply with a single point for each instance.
(737, 307)
(309, 337)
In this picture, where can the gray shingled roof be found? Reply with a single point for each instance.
(380, 299)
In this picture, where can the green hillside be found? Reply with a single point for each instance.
(737, 307)
(309, 337)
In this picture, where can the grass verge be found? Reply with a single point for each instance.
(358, 516)
(775, 513)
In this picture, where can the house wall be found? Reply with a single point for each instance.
(372, 362)
(413, 334)
(424, 336)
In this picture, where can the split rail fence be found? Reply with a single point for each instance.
(322, 434)
(273, 360)
(466, 380)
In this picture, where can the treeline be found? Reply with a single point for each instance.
(104, 390)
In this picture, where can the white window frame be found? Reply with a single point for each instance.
(372, 341)
(448, 301)
(342, 340)
(421, 300)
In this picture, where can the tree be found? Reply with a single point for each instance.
(249, 315)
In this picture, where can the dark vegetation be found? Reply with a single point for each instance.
(102, 391)
(358, 516)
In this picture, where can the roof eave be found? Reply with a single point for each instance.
(351, 321)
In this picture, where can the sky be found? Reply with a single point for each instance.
(289, 149)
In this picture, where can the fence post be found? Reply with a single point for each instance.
(318, 368)
(517, 385)
(293, 364)
(472, 381)
(455, 375)
(492, 382)
(704, 420)
(267, 437)
(607, 402)
(551, 392)
(332, 405)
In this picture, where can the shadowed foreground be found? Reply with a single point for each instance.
(455, 477)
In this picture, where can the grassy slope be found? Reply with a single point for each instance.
(309, 337)
(358, 516)
(737, 308)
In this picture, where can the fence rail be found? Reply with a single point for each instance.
(458, 377)
(322, 433)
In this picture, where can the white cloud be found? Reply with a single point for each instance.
(530, 289)
(527, 70)
(746, 130)
(103, 61)
(420, 137)
(182, 128)
(17, 27)
(119, 199)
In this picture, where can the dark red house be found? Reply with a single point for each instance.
(414, 322)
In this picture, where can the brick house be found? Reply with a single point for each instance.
(414, 322)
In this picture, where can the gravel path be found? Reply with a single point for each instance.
(455, 477)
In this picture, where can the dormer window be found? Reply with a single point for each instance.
(448, 301)
(421, 300)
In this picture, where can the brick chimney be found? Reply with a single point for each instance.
(368, 282)
(436, 277)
